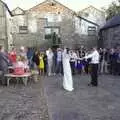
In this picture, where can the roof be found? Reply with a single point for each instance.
(51, 1)
(113, 22)
(88, 21)
(74, 13)
(90, 6)
(22, 12)
(6, 7)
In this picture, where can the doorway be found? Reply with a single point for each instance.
(52, 34)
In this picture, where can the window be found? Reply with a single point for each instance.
(23, 29)
(52, 17)
(91, 30)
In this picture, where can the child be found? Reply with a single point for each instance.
(21, 65)
(41, 64)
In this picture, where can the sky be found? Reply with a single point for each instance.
(75, 5)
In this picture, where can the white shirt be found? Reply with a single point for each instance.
(94, 57)
(73, 57)
(50, 56)
(59, 56)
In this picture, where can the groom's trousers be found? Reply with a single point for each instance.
(94, 74)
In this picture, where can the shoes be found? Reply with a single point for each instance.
(92, 85)
(54, 74)
(49, 74)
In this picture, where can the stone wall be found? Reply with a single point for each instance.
(29, 40)
(5, 26)
(48, 15)
(2, 24)
(111, 37)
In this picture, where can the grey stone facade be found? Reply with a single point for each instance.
(110, 33)
(110, 37)
(50, 16)
(5, 36)
(3, 27)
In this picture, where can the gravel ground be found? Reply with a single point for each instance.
(19, 102)
(85, 102)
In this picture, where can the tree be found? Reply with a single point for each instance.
(113, 9)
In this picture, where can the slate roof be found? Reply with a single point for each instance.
(113, 22)
(6, 7)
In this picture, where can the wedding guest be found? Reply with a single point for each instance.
(118, 62)
(21, 66)
(23, 52)
(41, 64)
(111, 60)
(73, 58)
(59, 61)
(54, 61)
(13, 56)
(50, 61)
(4, 63)
(35, 59)
(115, 56)
(30, 53)
(45, 63)
(104, 61)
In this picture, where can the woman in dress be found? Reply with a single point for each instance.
(41, 64)
(67, 79)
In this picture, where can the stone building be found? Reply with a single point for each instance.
(50, 23)
(93, 14)
(110, 33)
(5, 14)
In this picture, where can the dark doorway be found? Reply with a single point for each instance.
(52, 34)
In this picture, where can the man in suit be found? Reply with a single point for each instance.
(4, 62)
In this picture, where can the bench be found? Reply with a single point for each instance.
(24, 77)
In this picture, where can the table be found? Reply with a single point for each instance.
(24, 77)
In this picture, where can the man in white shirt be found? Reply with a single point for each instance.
(94, 66)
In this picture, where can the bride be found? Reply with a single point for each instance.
(67, 79)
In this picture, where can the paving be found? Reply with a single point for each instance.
(47, 100)
(84, 103)
(19, 102)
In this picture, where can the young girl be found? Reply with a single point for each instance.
(41, 64)
(21, 66)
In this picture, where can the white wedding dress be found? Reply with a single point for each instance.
(67, 79)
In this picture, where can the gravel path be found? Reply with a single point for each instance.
(18, 102)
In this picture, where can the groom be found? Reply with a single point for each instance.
(94, 66)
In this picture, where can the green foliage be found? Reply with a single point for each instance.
(113, 9)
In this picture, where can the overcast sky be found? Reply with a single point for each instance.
(75, 5)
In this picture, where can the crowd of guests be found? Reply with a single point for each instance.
(110, 61)
(49, 62)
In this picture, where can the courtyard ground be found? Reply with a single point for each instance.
(37, 100)
(84, 103)
(18, 102)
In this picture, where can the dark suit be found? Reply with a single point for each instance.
(4, 62)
